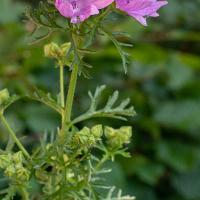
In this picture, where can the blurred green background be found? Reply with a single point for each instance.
(163, 82)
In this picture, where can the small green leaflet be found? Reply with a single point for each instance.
(121, 111)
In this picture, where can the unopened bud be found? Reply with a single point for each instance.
(116, 138)
(22, 174)
(126, 132)
(53, 157)
(65, 158)
(5, 161)
(65, 48)
(18, 157)
(52, 50)
(4, 96)
(109, 132)
(97, 131)
(84, 138)
(10, 171)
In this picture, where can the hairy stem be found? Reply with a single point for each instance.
(14, 137)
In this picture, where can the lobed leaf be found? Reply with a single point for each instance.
(122, 111)
(124, 55)
(46, 99)
(119, 195)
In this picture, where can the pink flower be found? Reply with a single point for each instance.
(140, 9)
(80, 10)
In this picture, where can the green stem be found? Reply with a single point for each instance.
(73, 81)
(71, 92)
(105, 13)
(14, 137)
(102, 161)
(72, 86)
(62, 89)
(24, 193)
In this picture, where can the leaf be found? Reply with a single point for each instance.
(122, 111)
(46, 99)
(44, 17)
(91, 36)
(41, 37)
(124, 55)
(119, 195)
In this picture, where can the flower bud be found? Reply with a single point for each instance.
(53, 157)
(116, 138)
(41, 175)
(97, 131)
(18, 157)
(22, 174)
(109, 132)
(48, 146)
(52, 50)
(65, 158)
(65, 48)
(84, 138)
(10, 171)
(126, 132)
(5, 161)
(4, 96)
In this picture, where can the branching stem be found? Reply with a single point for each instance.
(102, 161)
(14, 137)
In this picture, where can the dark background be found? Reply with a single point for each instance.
(162, 81)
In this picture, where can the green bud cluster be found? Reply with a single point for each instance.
(88, 137)
(13, 167)
(116, 138)
(53, 50)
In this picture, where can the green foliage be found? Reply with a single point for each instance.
(74, 172)
(65, 167)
